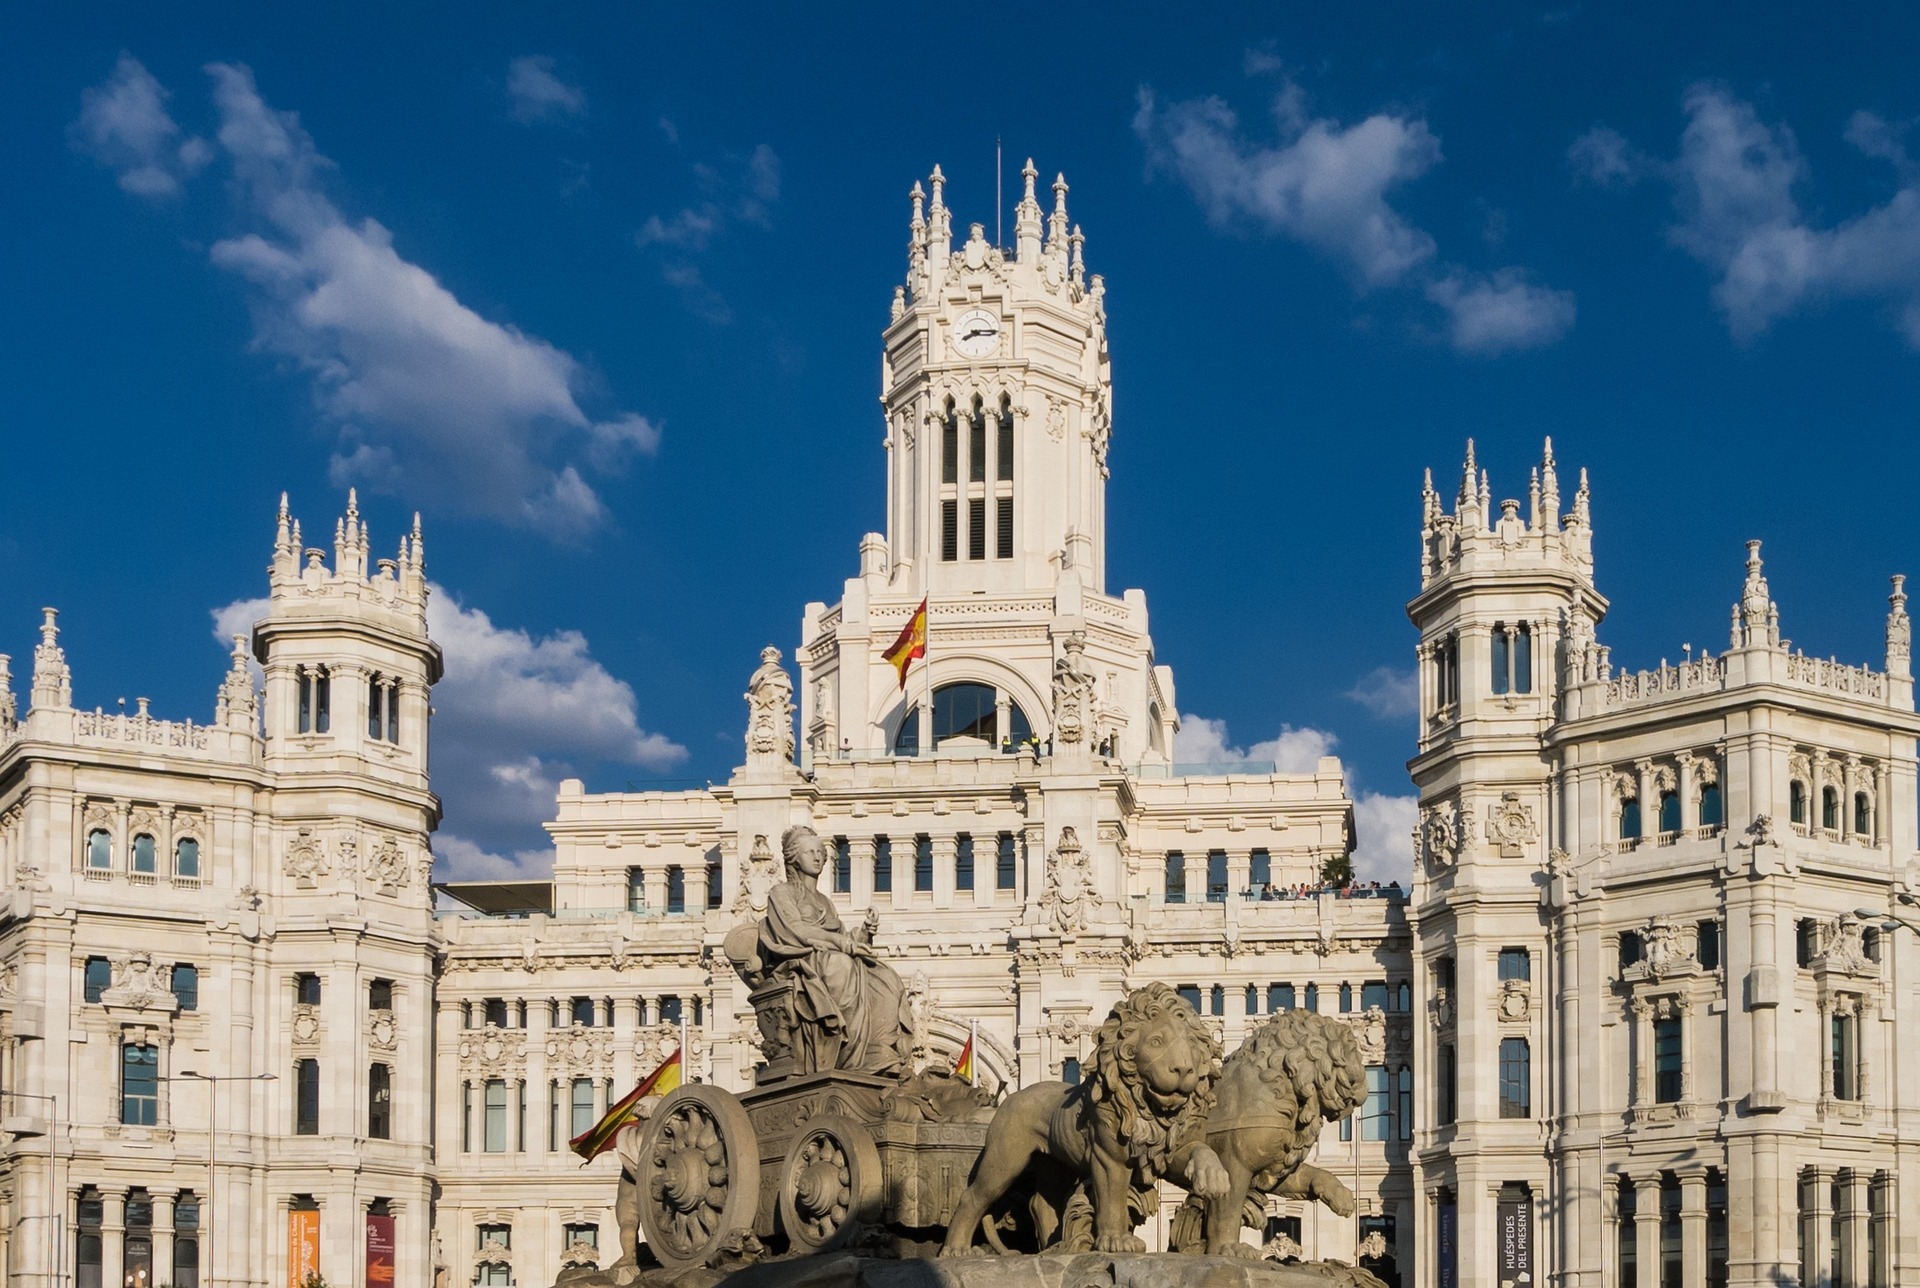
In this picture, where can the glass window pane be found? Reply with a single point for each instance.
(186, 857)
(99, 849)
(186, 986)
(1006, 869)
(143, 856)
(494, 1137)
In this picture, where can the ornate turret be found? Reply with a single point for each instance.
(1475, 535)
(237, 705)
(1756, 618)
(52, 681)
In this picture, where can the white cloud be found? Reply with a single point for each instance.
(538, 93)
(742, 191)
(1383, 848)
(513, 715)
(1604, 156)
(1501, 312)
(1736, 182)
(1325, 184)
(1201, 741)
(1387, 692)
(124, 125)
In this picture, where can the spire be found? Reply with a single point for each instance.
(1468, 492)
(350, 541)
(1549, 490)
(9, 706)
(52, 681)
(1899, 633)
(1429, 501)
(1583, 502)
(283, 534)
(1486, 497)
(917, 243)
(1078, 265)
(236, 705)
(1533, 500)
(1057, 222)
(1759, 619)
(1026, 219)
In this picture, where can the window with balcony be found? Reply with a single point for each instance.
(96, 978)
(100, 850)
(144, 862)
(1712, 813)
(186, 986)
(186, 863)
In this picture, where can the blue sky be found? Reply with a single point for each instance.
(599, 288)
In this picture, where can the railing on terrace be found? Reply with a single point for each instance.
(1296, 894)
(141, 729)
(1827, 673)
(1205, 769)
(1661, 681)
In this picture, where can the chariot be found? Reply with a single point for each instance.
(808, 1161)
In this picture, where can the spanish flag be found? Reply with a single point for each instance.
(963, 1064)
(598, 1139)
(911, 644)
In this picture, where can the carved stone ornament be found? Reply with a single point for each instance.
(770, 711)
(1440, 1007)
(1373, 1247)
(1056, 419)
(1516, 1000)
(1843, 949)
(1073, 694)
(579, 1049)
(387, 865)
(306, 860)
(1510, 826)
(1440, 835)
(492, 1050)
(1070, 899)
(1370, 1032)
(1664, 954)
(757, 879)
(140, 984)
(580, 1253)
(382, 1035)
(306, 1025)
(1282, 1248)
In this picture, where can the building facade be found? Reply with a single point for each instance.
(239, 1040)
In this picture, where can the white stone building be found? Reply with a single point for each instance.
(1631, 903)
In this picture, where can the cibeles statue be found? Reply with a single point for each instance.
(823, 999)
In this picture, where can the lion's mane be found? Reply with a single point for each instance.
(1298, 1054)
(1116, 1088)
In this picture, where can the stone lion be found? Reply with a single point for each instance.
(1136, 1118)
(1297, 1071)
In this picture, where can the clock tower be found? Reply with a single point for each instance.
(997, 395)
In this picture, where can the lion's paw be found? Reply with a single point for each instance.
(1118, 1243)
(1206, 1175)
(1238, 1249)
(1337, 1197)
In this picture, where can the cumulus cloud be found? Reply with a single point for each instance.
(738, 191)
(424, 395)
(1604, 156)
(538, 93)
(513, 715)
(1327, 184)
(1736, 182)
(1494, 313)
(124, 124)
(1388, 692)
(1383, 848)
(1201, 741)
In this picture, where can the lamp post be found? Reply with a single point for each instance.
(56, 1209)
(213, 1081)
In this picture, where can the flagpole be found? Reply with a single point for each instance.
(685, 1074)
(973, 1054)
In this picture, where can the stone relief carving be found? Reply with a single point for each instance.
(1370, 1033)
(140, 984)
(757, 879)
(1056, 419)
(1070, 899)
(1073, 694)
(579, 1049)
(1439, 835)
(386, 865)
(306, 860)
(1511, 827)
(1516, 1000)
(382, 1035)
(492, 1051)
(770, 711)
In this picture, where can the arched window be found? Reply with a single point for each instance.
(965, 710)
(1710, 812)
(1630, 818)
(950, 445)
(1217, 1000)
(1797, 801)
(1346, 998)
(1404, 1118)
(976, 473)
(1253, 1000)
(143, 857)
(1830, 809)
(100, 849)
(1669, 811)
(950, 478)
(186, 858)
(1862, 814)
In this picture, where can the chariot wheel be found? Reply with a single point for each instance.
(699, 1175)
(831, 1184)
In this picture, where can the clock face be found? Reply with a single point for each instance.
(976, 334)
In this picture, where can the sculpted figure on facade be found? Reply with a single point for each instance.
(770, 711)
(1074, 699)
(1070, 899)
(846, 1009)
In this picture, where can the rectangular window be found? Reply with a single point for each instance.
(1259, 870)
(1216, 876)
(842, 866)
(1404, 1115)
(580, 1011)
(1279, 998)
(1003, 458)
(636, 890)
(1006, 871)
(923, 862)
(1449, 1067)
(186, 986)
(1515, 964)
(322, 702)
(1346, 998)
(380, 1101)
(713, 886)
(1190, 994)
(950, 449)
(676, 889)
(304, 680)
(1670, 1261)
(949, 530)
(576, 1235)
(977, 527)
(1502, 657)
(466, 1117)
(1516, 1079)
(1708, 945)
(493, 1137)
(379, 995)
(1373, 994)
(1666, 1059)
(977, 447)
(580, 1106)
(97, 979)
(1176, 887)
(306, 988)
(1003, 528)
(882, 865)
(306, 1097)
(1376, 1114)
(1523, 659)
(139, 1084)
(1846, 1058)
(670, 1009)
(963, 861)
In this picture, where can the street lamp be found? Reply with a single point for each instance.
(213, 1081)
(56, 1209)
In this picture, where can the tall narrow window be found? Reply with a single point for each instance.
(380, 1101)
(1376, 1118)
(1449, 1071)
(977, 444)
(97, 979)
(186, 986)
(1523, 658)
(1846, 1058)
(100, 849)
(1003, 525)
(1666, 1059)
(306, 1097)
(636, 890)
(1707, 944)
(922, 862)
(376, 709)
(949, 530)
(1630, 818)
(1403, 1117)
(1710, 810)
(1516, 1079)
(1003, 457)
(977, 527)
(143, 856)
(580, 1106)
(1217, 1000)
(676, 889)
(1829, 809)
(186, 1240)
(1862, 814)
(1670, 1259)
(842, 866)
(1006, 871)
(1312, 1000)
(186, 860)
(1502, 658)
(322, 700)
(1253, 1000)
(303, 680)
(950, 446)
(379, 995)
(1176, 882)
(393, 711)
(139, 1084)
(90, 1211)
(882, 865)
(1346, 999)
(138, 1245)
(714, 878)
(963, 862)
(1797, 801)
(1259, 870)
(1279, 998)
(1718, 1249)
(1216, 876)
(1669, 811)
(1626, 1235)
(493, 1137)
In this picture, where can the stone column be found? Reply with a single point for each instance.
(1646, 1229)
(1882, 1215)
(1817, 794)
(1815, 1229)
(162, 1239)
(1642, 1054)
(1196, 869)
(113, 1239)
(946, 854)
(653, 884)
(1239, 865)
(1649, 802)
(1002, 726)
(1683, 783)
(1854, 1231)
(1693, 1225)
(862, 852)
